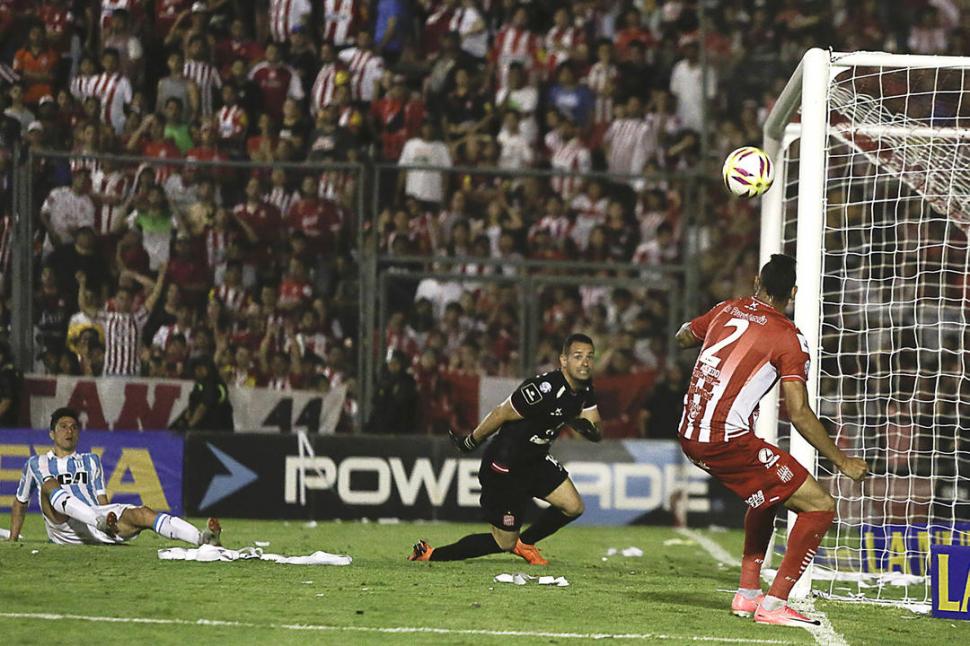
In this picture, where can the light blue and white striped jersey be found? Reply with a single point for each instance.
(79, 473)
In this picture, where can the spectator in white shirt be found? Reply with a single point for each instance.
(67, 209)
(426, 149)
(521, 97)
(516, 152)
(686, 83)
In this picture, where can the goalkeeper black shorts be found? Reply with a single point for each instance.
(507, 490)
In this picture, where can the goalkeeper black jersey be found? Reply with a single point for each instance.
(545, 402)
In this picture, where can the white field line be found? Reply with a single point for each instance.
(377, 629)
(824, 634)
(713, 548)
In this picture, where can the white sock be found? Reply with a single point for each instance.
(63, 501)
(772, 603)
(174, 527)
(749, 593)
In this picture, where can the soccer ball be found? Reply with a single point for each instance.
(748, 172)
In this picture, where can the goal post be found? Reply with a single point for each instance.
(872, 197)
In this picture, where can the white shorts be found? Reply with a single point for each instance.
(74, 532)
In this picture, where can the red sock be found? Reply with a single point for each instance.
(758, 525)
(809, 529)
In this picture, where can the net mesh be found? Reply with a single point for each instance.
(893, 384)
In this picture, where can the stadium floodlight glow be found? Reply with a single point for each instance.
(872, 197)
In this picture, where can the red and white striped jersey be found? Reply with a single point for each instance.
(748, 346)
(91, 164)
(340, 22)
(629, 142)
(321, 94)
(113, 90)
(572, 157)
(333, 183)
(216, 246)
(513, 46)
(601, 79)
(588, 215)
(114, 186)
(234, 298)
(558, 44)
(165, 333)
(231, 121)
(122, 340)
(558, 226)
(282, 199)
(206, 76)
(284, 15)
(366, 69)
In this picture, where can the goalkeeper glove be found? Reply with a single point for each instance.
(585, 428)
(465, 444)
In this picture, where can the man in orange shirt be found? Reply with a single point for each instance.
(36, 63)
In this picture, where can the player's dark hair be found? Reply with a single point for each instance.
(778, 277)
(64, 411)
(575, 338)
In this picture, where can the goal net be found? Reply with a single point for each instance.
(874, 202)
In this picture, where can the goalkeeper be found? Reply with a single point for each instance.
(516, 465)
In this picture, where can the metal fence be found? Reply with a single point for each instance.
(372, 270)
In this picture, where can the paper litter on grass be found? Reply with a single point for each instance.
(671, 542)
(212, 554)
(626, 551)
(4, 533)
(523, 579)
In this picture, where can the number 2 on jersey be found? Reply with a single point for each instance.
(709, 357)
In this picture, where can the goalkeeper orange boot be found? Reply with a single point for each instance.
(741, 606)
(783, 616)
(421, 551)
(529, 552)
(212, 535)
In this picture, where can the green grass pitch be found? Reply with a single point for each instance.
(674, 594)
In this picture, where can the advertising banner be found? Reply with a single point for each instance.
(905, 548)
(139, 468)
(950, 579)
(151, 404)
(419, 477)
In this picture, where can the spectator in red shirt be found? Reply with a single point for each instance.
(318, 219)
(207, 149)
(36, 63)
(632, 31)
(295, 289)
(237, 45)
(167, 12)
(260, 222)
(390, 118)
(149, 139)
(188, 269)
(58, 24)
(276, 81)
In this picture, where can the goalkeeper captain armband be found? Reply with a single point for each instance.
(465, 444)
(585, 428)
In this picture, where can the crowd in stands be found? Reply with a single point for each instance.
(570, 127)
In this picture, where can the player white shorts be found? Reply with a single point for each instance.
(74, 532)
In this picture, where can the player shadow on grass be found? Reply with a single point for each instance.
(689, 599)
